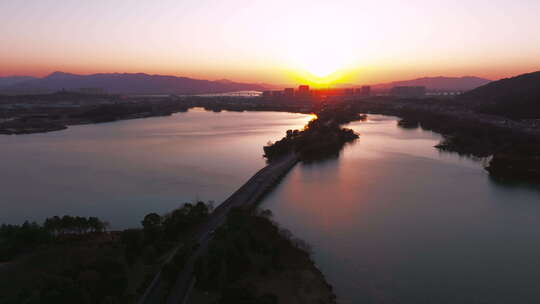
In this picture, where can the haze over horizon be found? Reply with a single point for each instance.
(277, 43)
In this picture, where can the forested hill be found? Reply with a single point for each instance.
(517, 97)
(437, 83)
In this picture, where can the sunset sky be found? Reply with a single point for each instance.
(272, 41)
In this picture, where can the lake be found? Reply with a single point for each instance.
(392, 220)
(122, 170)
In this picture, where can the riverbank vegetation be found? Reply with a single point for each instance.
(251, 260)
(513, 148)
(513, 154)
(114, 112)
(75, 260)
(52, 112)
(463, 136)
(19, 239)
(519, 163)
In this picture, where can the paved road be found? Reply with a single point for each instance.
(249, 194)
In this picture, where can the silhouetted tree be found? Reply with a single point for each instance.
(152, 226)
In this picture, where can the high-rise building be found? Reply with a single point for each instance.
(365, 91)
(303, 90)
(277, 93)
(288, 92)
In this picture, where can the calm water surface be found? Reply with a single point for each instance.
(394, 221)
(123, 170)
(390, 221)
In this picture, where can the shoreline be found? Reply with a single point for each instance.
(512, 146)
(35, 117)
(277, 265)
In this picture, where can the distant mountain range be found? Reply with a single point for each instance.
(437, 83)
(122, 83)
(517, 97)
(12, 80)
(140, 83)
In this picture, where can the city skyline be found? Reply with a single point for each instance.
(277, 43)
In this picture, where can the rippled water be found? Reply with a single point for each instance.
(123, 170)
(392, 220)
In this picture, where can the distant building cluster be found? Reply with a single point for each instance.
(305, 91)
(91, 91)
(408, 92)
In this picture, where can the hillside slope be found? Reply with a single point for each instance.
(517, 97)
(438, 83)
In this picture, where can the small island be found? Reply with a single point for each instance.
(322, 137)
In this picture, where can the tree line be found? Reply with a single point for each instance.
(17, 239)
(74, 224)
(160, 233)
(76, 267)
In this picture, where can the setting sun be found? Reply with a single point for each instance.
(322, 59)
(321, 68)
(322, 75)
(318, 65)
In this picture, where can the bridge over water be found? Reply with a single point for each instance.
(248, 194)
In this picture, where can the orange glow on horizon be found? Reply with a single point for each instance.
(282, 77)
(325, 81)
(280, 42)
